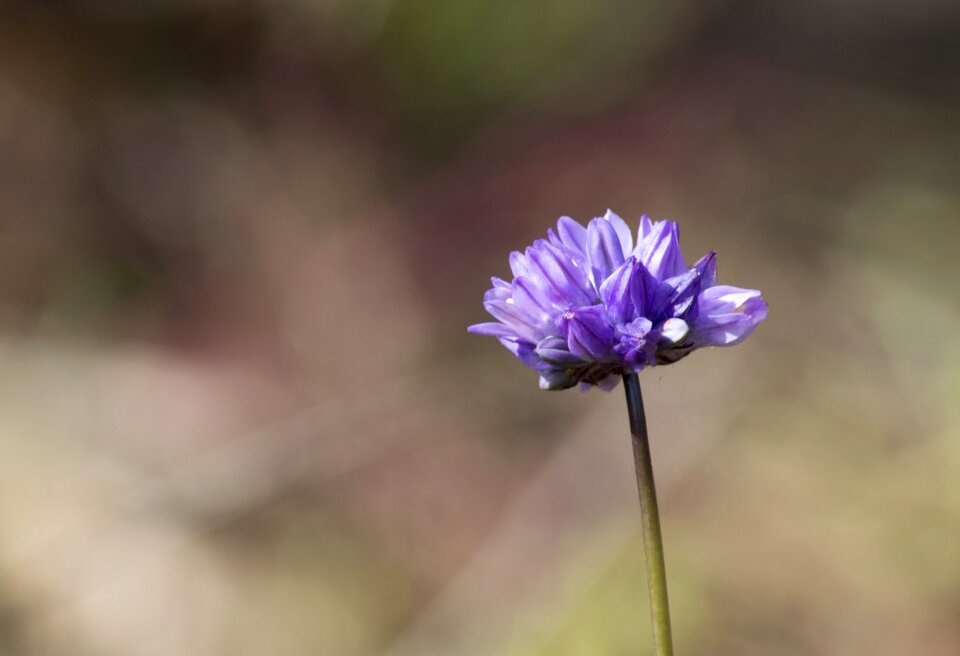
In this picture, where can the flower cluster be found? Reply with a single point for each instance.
(586, 306)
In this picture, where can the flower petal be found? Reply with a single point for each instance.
(572, 234)
(518, 263)
(728, 315)
(557, 379)
(499, 283)
(659, 251)
(676, 296)
(553, 350)
(589, 336)
(673, 330)
(646, 226)
(524, 352)
(622, 229)
(492, 328)
(507, 311)
(604, 250)
(707, 266)
(636, 343)
(563, 274)
(627, 292)
(536, 301)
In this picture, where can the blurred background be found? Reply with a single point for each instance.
(241, 241)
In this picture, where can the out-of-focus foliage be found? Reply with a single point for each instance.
(241, 242)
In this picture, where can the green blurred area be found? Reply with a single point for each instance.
(241, 242)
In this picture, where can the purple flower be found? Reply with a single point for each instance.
(587, 305)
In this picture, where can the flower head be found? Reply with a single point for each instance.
(587, 305)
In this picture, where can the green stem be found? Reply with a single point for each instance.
(650, 518)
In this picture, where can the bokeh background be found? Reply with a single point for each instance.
(240, 244)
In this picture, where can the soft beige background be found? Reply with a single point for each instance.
(241, 242)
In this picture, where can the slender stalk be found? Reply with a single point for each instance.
(650, 518)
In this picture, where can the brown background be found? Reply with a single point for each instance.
(240, 242)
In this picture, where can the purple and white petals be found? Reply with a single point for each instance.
(585, 306)
(646, 227)
(728, 315)
(554, 351)
(636, 343)
(674, 330)
(556, 275)
(676, 296)
(604, 250)
(707, 266)
(624, 234)
(524, 352)
(627, 292)
(572, 235)
(589, 335)
(659, 251)
(493, 329)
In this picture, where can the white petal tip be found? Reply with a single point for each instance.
(675, 330)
